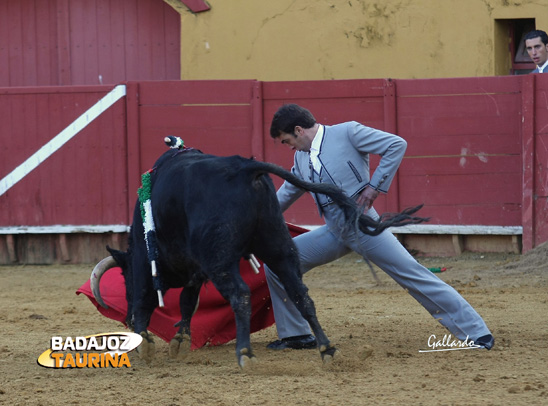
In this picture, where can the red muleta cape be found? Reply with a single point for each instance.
(212, 324)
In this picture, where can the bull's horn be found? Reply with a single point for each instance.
(96, 275)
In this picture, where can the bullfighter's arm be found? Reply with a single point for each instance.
(390, 147)
(287, 194)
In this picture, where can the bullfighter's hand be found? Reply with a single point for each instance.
(367, 197)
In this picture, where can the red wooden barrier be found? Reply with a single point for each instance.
(464, 151)
(92, 42)
(477, 147)
(85, 182)
(538, 144)
(217, 117)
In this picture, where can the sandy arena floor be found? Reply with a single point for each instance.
(378, 328)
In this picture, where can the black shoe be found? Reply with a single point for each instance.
(486, 342)
(296, 343)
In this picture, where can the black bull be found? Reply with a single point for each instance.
(209, 212)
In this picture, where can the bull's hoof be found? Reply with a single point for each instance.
(246, 359)
(147, 349)
(328, 353)
(246, 362)
(179, 344)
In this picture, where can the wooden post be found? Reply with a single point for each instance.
(257, 136)
(63, 248)
(64, 72)
(10, 243)
(133, 146)
(528, 161)
(458, 243)
(115, 240)
(391, 126)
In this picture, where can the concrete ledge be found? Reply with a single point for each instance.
(457, 229)
(450, 229)
(411, 229)
(65, 229)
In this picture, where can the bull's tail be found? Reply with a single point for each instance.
(353, 214)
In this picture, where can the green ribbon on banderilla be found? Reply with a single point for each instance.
(144, 194)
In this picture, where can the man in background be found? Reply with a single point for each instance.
(536, 44)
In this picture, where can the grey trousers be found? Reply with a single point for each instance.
(328, 242)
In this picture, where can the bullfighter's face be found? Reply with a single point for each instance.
(297, 141)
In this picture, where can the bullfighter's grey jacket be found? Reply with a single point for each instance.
(344, 156)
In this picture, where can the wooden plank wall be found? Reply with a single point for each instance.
(464, 149)
(477, 147)
(464, 160)
(83, 183)
(92, 42)
(217, 117)
(538, 221)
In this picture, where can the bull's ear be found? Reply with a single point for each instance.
(120, 257)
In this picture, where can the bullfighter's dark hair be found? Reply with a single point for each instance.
(537, 33)
(288, 117)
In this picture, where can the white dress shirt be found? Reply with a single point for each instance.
(315, 149)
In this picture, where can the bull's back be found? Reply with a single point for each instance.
(200, 189)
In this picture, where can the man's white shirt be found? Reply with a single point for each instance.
(541, 68)
(315, 149)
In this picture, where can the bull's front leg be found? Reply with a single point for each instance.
(145, 300)
(289, 275)
(328, 351)
(237, 293)
(241, 305)
(188, 303)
